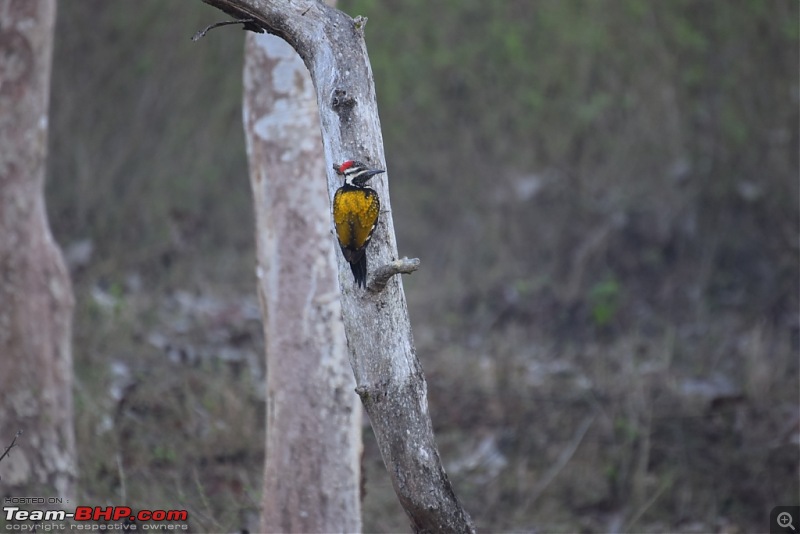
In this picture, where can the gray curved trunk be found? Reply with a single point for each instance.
(35, 293)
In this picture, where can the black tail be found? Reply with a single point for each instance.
(359, 269)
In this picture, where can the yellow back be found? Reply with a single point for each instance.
(355, 214)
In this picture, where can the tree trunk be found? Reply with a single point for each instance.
(312, 472)
(35, 293)
(388, 375)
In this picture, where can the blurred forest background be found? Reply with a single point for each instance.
(604, 197)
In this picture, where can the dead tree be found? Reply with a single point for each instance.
(388, 375)
(35, 293)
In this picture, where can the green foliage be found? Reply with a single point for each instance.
(164, 454)
(604, 299)
(141, 145)
(612, 95)
(626, 430)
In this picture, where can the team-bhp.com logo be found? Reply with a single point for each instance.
(97, 513)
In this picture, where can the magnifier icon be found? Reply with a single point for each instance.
(785, 520)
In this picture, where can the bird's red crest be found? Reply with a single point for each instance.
(346, 165)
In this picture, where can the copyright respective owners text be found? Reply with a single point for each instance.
(47, 514)
(784, 519)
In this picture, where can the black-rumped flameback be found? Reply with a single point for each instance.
(355, 214)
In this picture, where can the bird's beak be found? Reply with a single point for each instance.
(370, 173)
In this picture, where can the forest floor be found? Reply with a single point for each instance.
(613, 433)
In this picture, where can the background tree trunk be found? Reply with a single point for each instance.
(35, 293)
(312, 472)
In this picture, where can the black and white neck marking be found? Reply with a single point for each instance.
(357, 177)
(356, 174)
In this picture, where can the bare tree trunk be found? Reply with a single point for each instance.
(312, 472)
(35, 293)
(388, 375)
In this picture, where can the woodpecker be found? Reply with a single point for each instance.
(355, 214)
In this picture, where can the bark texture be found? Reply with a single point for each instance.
(35, 293)
(312, 472)
(388, 375)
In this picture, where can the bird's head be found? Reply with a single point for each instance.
(356, 173)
